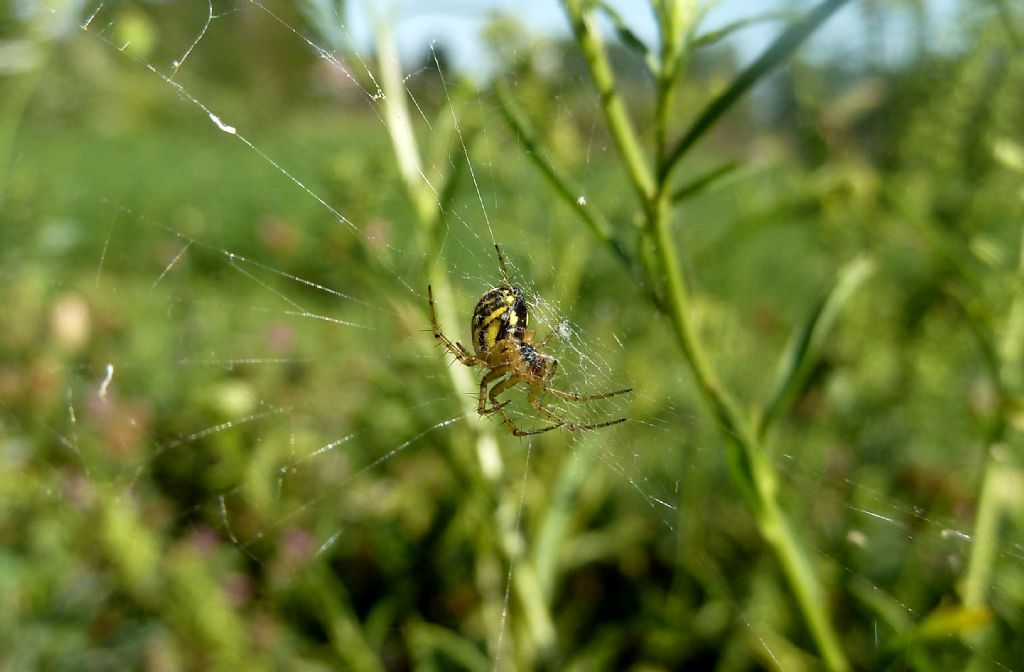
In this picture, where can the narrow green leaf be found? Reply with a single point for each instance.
(884, 606)
(1010, 24)
(629, 38)
(808, 340)
(1013, 411)
(428, 640)
(1011, 347)
(702, 182)
(562, 184)
(774, 55)
(951, 621)
(728, 29)
(623, 131)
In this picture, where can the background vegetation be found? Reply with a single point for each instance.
(827, 473)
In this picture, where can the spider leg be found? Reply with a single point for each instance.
(454, 347)
(534, 400)
(522, 432)
(576, 427)
(491, 376)
(572, 396)
(509, 382)
(499, 407)
(501, 265)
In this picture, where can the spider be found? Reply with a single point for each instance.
(505, 347)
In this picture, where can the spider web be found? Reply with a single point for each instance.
(324, 380)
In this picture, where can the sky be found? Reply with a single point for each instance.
(457, 24)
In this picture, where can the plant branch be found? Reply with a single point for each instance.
(703, 181)
(807, 343)
(624, 135)
(403, 139)
(752, 469)
(991, 500)
(430, 210)
(773, 56)
(562, 184)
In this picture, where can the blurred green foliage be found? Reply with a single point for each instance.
(264, 484)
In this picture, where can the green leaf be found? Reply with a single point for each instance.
(628, 38)
(429, 640)
(951, 621)
(890, 611)
(702, 182)
(569, 191)
(781, 49)
(1013, 411)
(1009, 153)
(715, 36)
(808, 341)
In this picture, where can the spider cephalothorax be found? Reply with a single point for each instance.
(504, 345)
(540, 365)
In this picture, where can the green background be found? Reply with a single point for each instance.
(265, 482)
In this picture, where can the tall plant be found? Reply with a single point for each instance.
(651, 173)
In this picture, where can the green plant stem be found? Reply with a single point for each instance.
(1002, 359)
(676, 21)
(429, 212)
(703, 181)
(753, 470)
(774, 55)
(614, 109)
(983, 550)
(403, 139)
(679, 303)
(1004, 362)
(561, 182)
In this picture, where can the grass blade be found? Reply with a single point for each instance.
(715, 36)
(433, 641)
(774, 55)
(806, 345)
(566, 189)
(628, 38)
(702, 182)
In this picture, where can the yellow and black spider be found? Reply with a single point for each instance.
(504, 346)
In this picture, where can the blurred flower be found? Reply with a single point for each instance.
(297, 547)
(279, 236)
(70, 322)
(203, 541)
(238, 588)
(280, 337)
(123, 425)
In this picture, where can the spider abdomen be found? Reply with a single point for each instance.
(500, 314)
